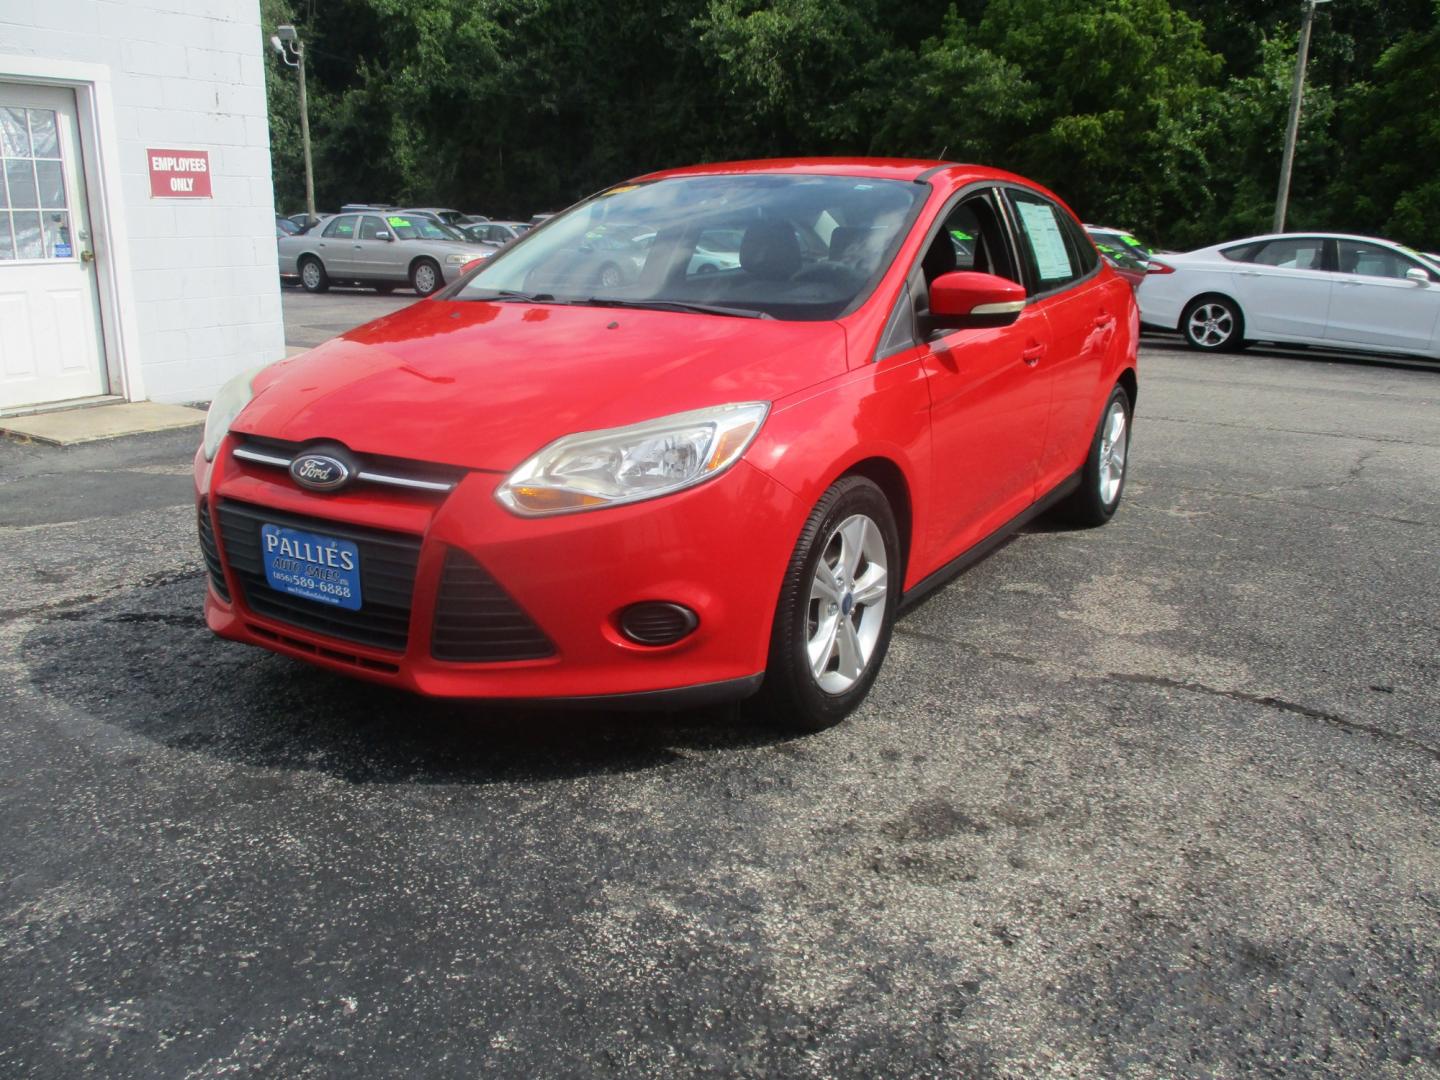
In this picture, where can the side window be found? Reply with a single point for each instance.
(971, 238)
(900, 331)
(1372, 260)
(370, 227)
(1242, 252)
(342, 228)
(1084, 248)
(1053, 258)
(1292, 253)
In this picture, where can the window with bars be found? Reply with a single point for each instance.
(34, 207)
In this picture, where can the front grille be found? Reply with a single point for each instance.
(212, 556)
(476, 621)
(387, 577)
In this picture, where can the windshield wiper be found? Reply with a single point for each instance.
(512, 294)
(674, 305)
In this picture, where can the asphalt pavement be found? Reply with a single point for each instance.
(1160, 799)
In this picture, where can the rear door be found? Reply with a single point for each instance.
(989, 388)
(1083, 308)
(1376, 305)
(1284, 286)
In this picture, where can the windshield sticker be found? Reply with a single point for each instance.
(619, 190)
(961, 234)
(1129, 240)
(399, 222)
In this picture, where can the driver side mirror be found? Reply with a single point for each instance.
(966, 299)
(1418, 275)
(383, 235)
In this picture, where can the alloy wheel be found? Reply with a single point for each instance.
(310, 275)
(424, 279)
(1211, 325)
(846, 611)
(1114, 442)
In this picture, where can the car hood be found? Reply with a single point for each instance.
(484, 385)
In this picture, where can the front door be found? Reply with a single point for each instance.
(989, 388)
(50, 340)
(1377, 305)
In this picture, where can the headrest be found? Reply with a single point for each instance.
(770, 251)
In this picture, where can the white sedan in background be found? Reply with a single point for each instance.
(1326, 289)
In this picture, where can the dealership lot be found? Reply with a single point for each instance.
(1158, 799)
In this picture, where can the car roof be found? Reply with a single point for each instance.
(878, 168)
(1316, 234)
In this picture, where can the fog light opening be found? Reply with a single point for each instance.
(657, 623)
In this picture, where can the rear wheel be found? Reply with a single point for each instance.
(1213, 324)
(837, 609)
(425, 276)
(1102, 481)
(312, 275)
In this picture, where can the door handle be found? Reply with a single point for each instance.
(87, 256)
(1032, 354)
(1104, 320)
(1249, 273)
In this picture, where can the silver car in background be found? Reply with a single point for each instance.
(385, 250)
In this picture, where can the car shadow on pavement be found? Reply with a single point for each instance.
(143, 661)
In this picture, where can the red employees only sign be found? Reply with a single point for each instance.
(179, 174)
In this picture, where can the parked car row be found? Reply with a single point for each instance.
(1357, 293)
(386, 247)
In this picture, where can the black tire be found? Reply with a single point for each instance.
(1213, 324)
(422, 283)
(384, 289)
(1088, 506)
(792, 696)
(610, 277)
(312, 274)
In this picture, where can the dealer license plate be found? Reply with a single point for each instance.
(320, 568)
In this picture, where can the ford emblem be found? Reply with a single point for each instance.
(319, 472)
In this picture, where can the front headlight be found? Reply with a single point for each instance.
(229, 400)
(457, 260)
(624, 465)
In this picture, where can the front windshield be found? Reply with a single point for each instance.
(418, 228)
(792, 247)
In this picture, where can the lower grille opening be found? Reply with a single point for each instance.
(211, 553)
(476, 621)
(320, 650)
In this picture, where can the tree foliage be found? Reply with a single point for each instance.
(1164, 116)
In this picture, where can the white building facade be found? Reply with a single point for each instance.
(137, 234)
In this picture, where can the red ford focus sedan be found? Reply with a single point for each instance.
(699, 437)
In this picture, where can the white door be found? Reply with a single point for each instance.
(1377, 305)
(1285, 289)
(50, 341)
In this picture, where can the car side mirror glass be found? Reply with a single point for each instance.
(1415, 273)
(964, 299)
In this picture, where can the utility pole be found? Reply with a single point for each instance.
(1292, 129)
(292, 50)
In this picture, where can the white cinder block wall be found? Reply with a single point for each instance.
(184, 74)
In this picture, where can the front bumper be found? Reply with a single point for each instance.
(720, 549)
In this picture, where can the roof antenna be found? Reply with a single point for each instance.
(942, 151)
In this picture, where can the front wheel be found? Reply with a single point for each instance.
(1102, 480)
(425, 277)
(837, 608)
(1213, 324)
